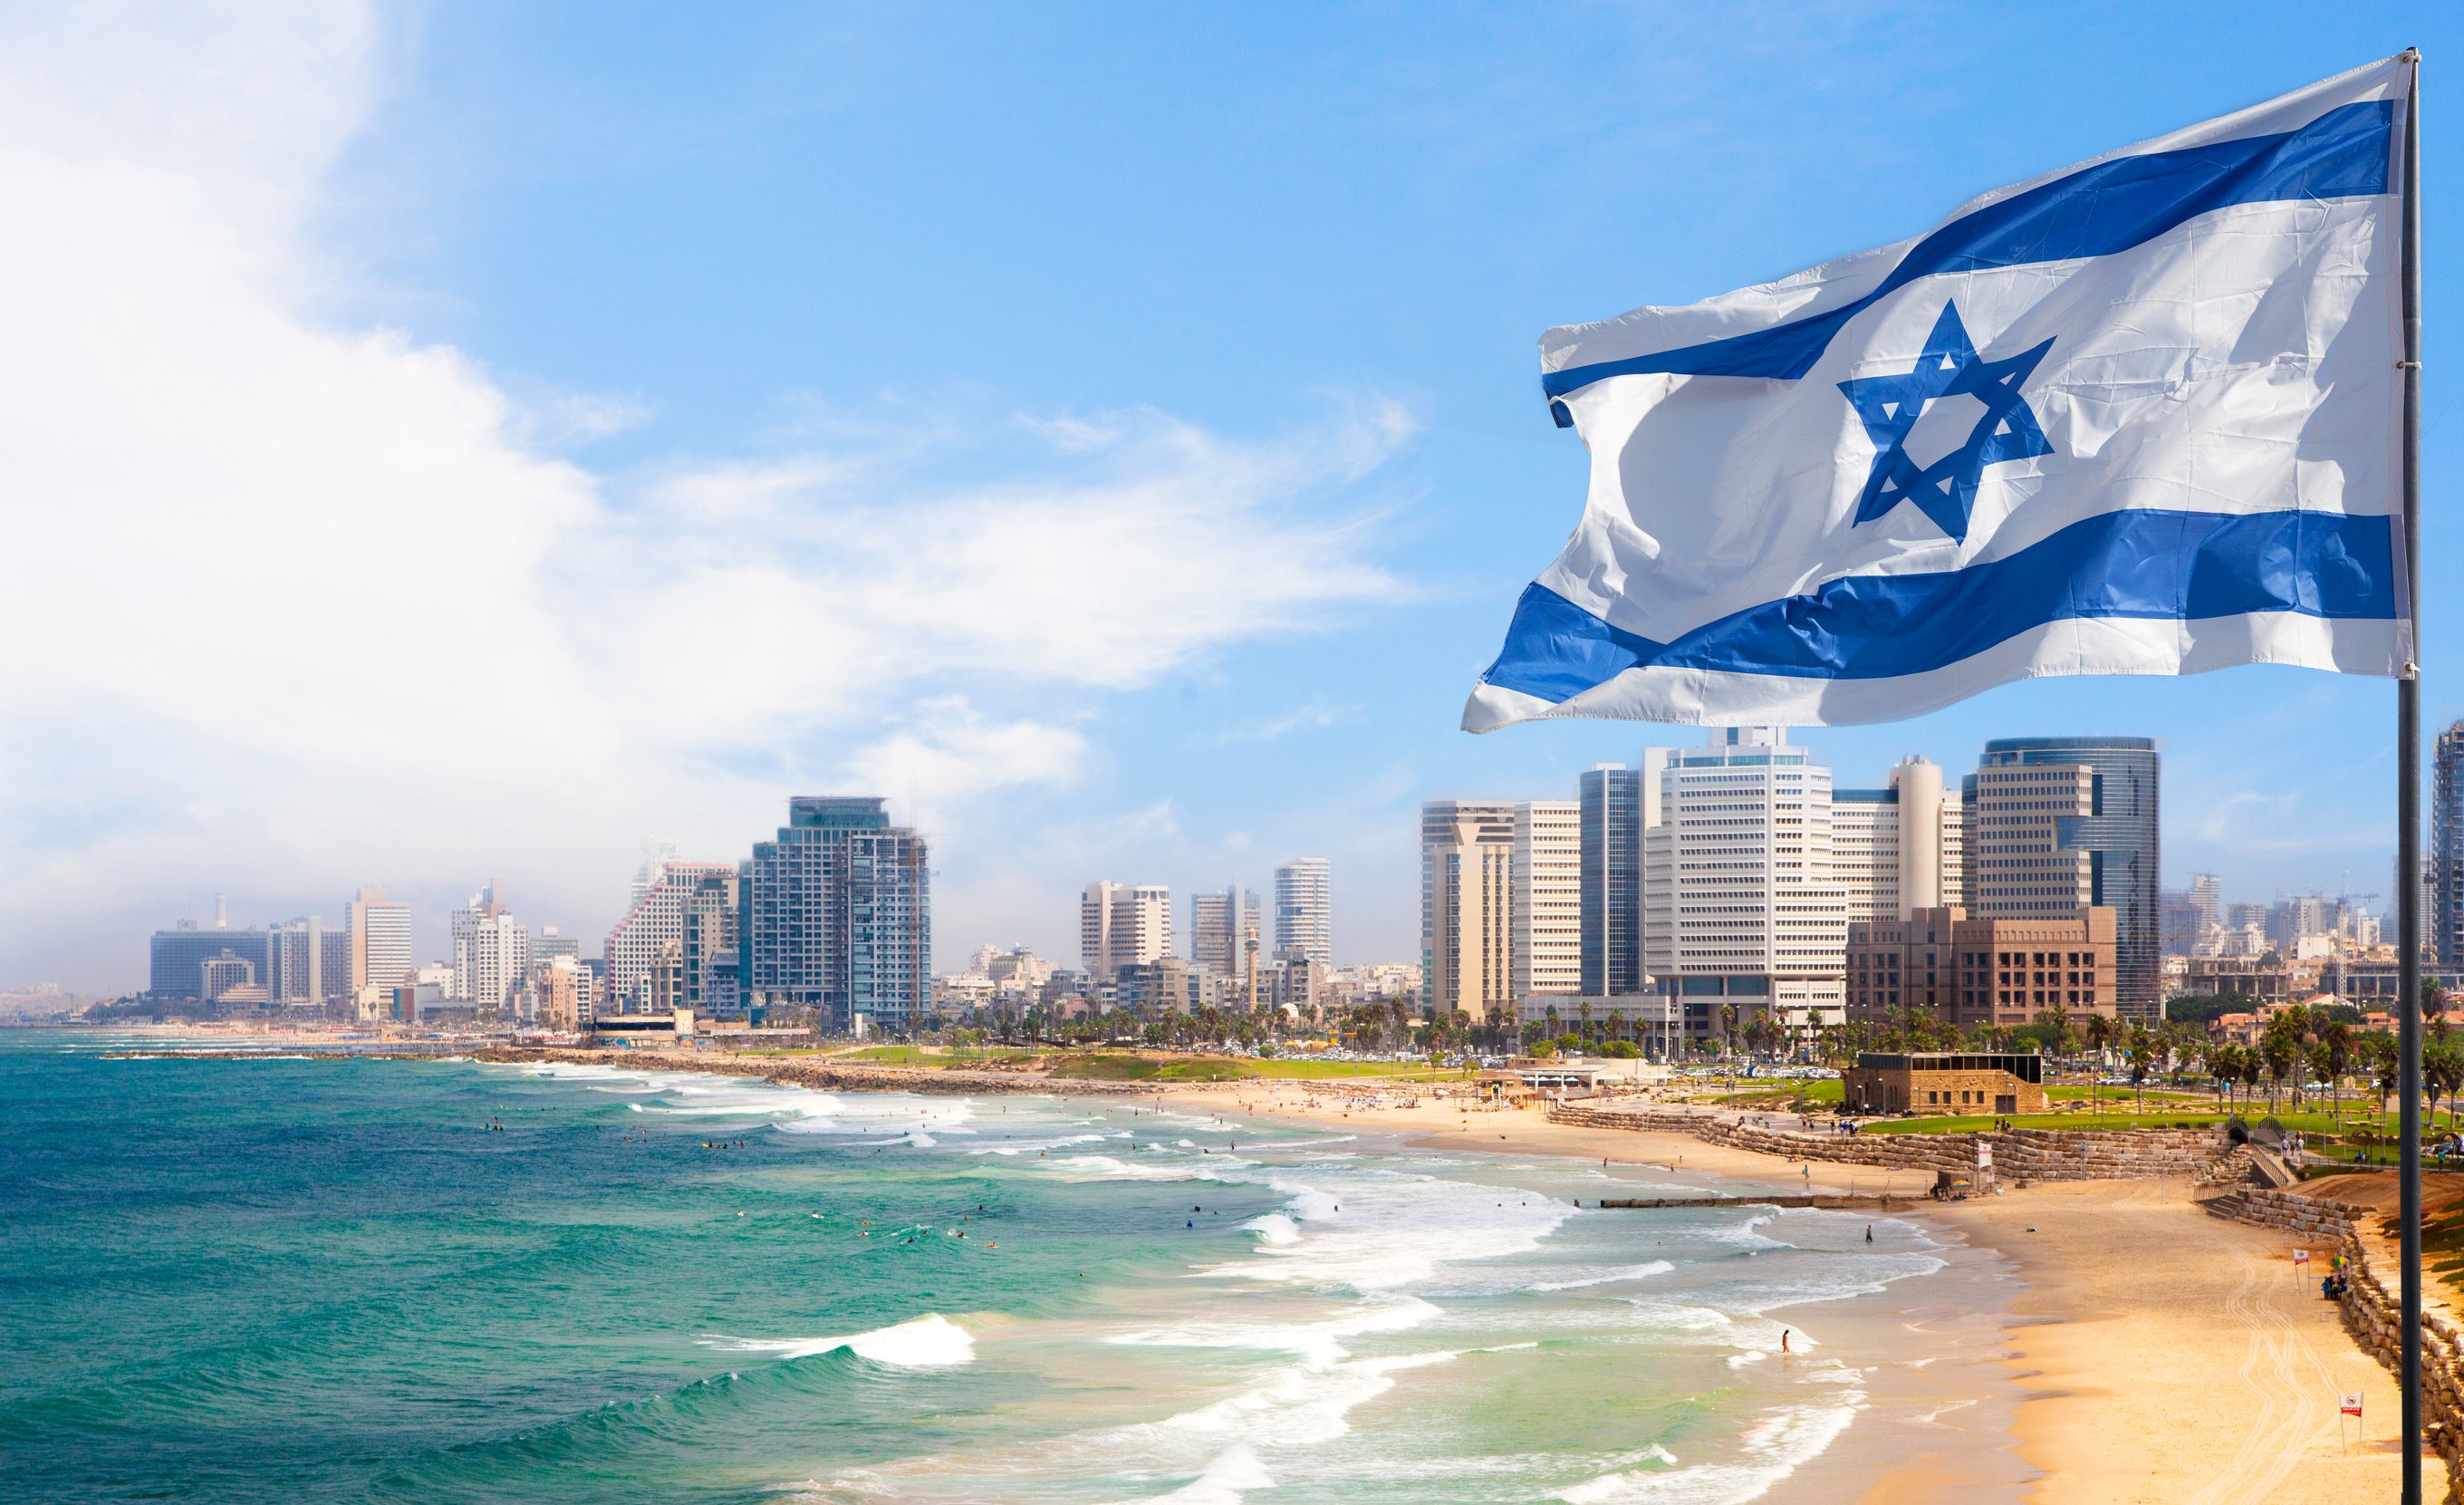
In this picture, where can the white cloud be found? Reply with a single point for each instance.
(2254, 823)
(299, 606)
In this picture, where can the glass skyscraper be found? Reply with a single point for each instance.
(838, 916)
(2056, 823)
(2443, 927)
(1612, 801)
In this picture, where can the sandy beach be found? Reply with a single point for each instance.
(2159, 1355)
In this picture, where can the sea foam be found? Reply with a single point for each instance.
(1772, 1448)
(931, 1341)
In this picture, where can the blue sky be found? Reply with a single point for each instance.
(1200, 344)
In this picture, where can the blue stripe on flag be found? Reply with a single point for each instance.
(2145, 562)
(2096, 211)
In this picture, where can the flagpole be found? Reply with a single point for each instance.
(2407, 802)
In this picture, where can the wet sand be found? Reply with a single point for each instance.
(2090, 1344)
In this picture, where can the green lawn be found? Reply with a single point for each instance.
(1825, 1091)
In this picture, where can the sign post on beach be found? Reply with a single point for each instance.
(2160, 477)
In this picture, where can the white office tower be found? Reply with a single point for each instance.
(1898, 850)
(1225, 929)
(492, 951)
(1740, 903)
(1305, 912)
(1546, 914)
(380, 945)
(1122, 924)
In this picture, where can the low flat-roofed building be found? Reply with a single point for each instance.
(661, 1028)
(1945, 1082)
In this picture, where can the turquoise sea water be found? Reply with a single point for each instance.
(294, 1279)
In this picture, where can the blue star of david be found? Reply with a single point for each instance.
(1944, 491)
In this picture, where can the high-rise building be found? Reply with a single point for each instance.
(1741, 908)
(1467, 908)
(1123, 924)
(492, 951)
(1501, 903)
(1305, 912)
(1612, 797)
(1899, 849)
(2291, 921)
(837, 915)
(311, 964)
(1546, 913)
(2059, 822)
(2443, 924)
(660, 915)
(1222, 926)
(2208, 897)
(380, 957)
(178, 957)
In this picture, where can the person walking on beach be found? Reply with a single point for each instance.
(1783, 1339)
(1869, 1233)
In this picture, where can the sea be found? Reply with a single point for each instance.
(292, 1278)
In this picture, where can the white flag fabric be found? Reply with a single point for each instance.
(2139, 416)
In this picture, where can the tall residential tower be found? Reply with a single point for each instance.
(2442, 929)
(1305, 912)
(838, 916)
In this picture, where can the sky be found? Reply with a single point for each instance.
(461, 441)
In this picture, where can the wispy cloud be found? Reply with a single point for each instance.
(2254, 823)
(1316, 712)
(329, 602)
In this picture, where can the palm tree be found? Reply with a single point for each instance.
(2056, 1019)
(2099, 1029)
(2442, 1072)
(2248, 1064)
(2385, 1064)
(2280, 1050)
(2336, 1054)
(2144, 1051)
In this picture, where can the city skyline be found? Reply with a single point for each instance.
(432, 939)
(1182, 615)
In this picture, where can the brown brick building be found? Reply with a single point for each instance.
(1948, 1083)
(1971, 973)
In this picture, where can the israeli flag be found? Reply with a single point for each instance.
(2141, 416)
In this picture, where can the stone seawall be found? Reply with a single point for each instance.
(2019, 1154)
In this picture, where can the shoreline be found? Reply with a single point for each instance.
(2110, 1343)
(2154, 1355)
